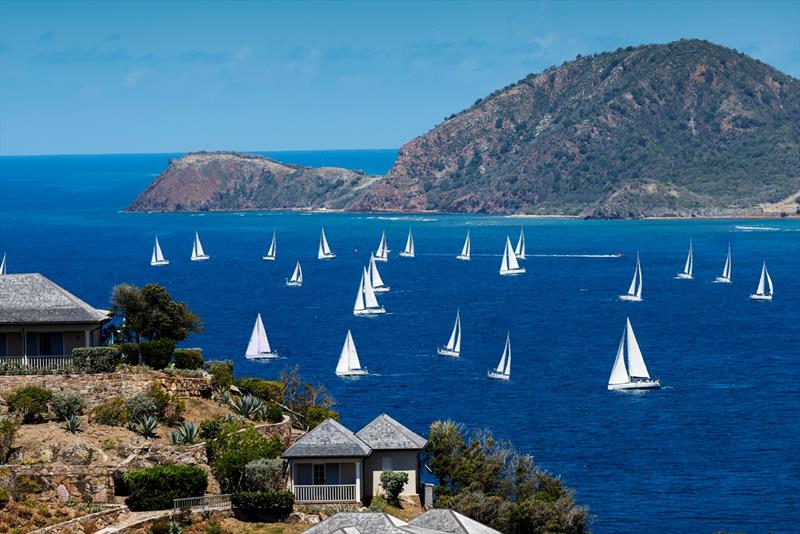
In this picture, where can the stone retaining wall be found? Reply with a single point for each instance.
(88, 524)
(283, 430)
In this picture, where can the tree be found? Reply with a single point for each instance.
(312, 403)
(151, 313)
(392, 483)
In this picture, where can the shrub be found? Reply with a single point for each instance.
(154, 488)
(247, 406)
(157, 353)
(233, 450)
(263, 505)
(141, 405)
(8, 430)
(5, 496)
(145, 426)
(266, 390)
(73, 424)
(189, 359)
(274, 413)
(129, 353)
(30, 402)
(265, 474)
(392, 483)
(95, 359)
(186, 434)
(317, 414)
(167, 408)
(221, 373)
(66, 404)
(112, 412)
(210, 429)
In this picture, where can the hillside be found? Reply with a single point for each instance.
(229, 181)
(684, 128)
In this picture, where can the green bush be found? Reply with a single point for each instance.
(266, 390)
(274, 413)
(65, 404)
(157, 353)
(231, 451)
(130, 353)
(95, 359)
(30, 402)
(8, 430)
(5, 496)
(265, 474)
(140, 406)
(392, 483)
(317, 414)
(112, 412)
(155, 488)
(263, 505)
(168, 409)
(221, 373)
(189, 359)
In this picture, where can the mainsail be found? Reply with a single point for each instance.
(259, 344)
(272, 248)
(519, 252)
(466, 249)
(324, 251)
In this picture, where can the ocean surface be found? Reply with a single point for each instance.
(715, 449)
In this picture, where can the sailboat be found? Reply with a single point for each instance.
(198, 254)
(503, 370)
(258, 348)
(375, 277)
(156, 259)
(297, 277)
(348, 360)
(519, 252)
(726, 270)
(635, 375)
(466, 249)
(509, 264)
(366, 303)
(453, 347)
(688, 267)
(760, 293)
(272, 249)
(3, 265)
(324, 252)
(408, 252)
(634, 293)
(382, 254)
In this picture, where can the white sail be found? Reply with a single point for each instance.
(726, 271)
(509, 264)
(408, 252)
(359, 305)
(635, 289)
(504, 367)
(769, 279)
(197, 249)
(466, 249)
(375, 277)
(259, 344)
(636, 366)
(688, 267)
(370, 301)
(639, 274)
(519, 252)
(324, 251)
(297, 276)
(3, 264)
(760, 290)
(348, 359)
(272, 248)
(454, 343)
(382, 254)
(159, 255)
(619, 374)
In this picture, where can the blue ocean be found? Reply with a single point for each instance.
(715, 449)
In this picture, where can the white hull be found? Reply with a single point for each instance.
(353, 372)
(756, 296)
(327, 256)
(462, 258)
(383, 260)
(447, 352)
(406, 255)
(638, 384)
(630, 298)
(268, 258)
(263, 356)
(159, 263)
(494, 375)
(512, 272)
(369, 311)
(293, 284)
(381, 289)
(722, 280)
(201, 258)
(684, 276)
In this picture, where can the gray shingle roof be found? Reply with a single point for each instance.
(33, 299)
(329, 438)
(358, 522)
(445, 520)
(383, 432)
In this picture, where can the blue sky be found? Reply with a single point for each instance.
(121, 77)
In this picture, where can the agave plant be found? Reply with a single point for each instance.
(72, 424)
(174, 528)
(145, 426)
(247, 406)
(223, 394)
(176, 438)
(189, 432)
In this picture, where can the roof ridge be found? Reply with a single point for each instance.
(83, 304)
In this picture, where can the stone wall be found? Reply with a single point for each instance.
(283, 430)
(88, 524)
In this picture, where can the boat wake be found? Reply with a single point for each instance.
(619, 255)
(757, 229)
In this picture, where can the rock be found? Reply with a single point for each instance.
(62, 493)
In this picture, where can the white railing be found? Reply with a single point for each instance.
(38, 363)
(325, 493)
(209, 503)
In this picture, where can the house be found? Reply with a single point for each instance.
(331, 464)
(38, 318)
(437, 521)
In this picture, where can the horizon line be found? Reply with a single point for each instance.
(184, 152)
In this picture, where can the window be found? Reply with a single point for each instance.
(386, 463)
(32, 343)
(3, 345)
(319, 474)
(303, 474)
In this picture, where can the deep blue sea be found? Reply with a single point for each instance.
(715, 449)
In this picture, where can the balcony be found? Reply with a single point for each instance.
(325, 493)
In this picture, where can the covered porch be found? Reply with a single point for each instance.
(317, 481)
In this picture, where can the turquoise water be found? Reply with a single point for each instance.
(715, 449)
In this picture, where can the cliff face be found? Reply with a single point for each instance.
(683, 128)
(230, 181)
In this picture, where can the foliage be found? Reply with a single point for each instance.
(30, 402)
(155, 488)
(5, 496)
(8, 430)
(150, 313)
(233, 448)
(130, 353)
(188, 358)
(168, 408)
(491, 482)
(247, 406)
(265, 474)
(210, 429)
(312, 402)
(157, 353)
(146, 426)
(274, 413)
(112, 412)
(72, 424)
(264, 505)
(95, 359)
(66, 404)
(141, 405)
(221, 373)
(266, 390)
(392, 483)
(186, 434)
